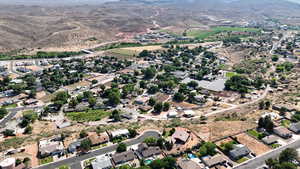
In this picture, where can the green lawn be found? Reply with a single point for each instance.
(10, 106)
(46, 160)
(230, 74)
(255, 134)
(99, 146)
(64, 167)
(90, 115)
(285, 123)
(203, 34)
(275, 145)
(242, 160)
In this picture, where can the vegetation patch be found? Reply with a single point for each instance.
(256, 134)
(46, 160)
(203, 34)
(90, 115)
(242, 160)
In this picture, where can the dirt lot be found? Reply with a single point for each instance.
(254, 145)
(140, 49)
(217, 130)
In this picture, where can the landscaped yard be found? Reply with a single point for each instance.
(46, 160)
(90, 115)
(285, 123)
(275, 145)
(256, 134)
(230, 74)
(242, 160)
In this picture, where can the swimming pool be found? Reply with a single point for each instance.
(191, 156)
(148, 161)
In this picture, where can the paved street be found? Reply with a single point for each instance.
(74, 162)
(13, 112)
(260, 160)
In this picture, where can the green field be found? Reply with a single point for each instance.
(10, 106)
(203, 34)
(39, 54)
(90, 115)
(124, 52)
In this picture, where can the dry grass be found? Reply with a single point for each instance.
(217, 130)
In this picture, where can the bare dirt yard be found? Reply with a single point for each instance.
(254, 145)
(217, 130)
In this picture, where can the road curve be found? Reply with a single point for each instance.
(75, 161)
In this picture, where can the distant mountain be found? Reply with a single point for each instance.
(53, 2)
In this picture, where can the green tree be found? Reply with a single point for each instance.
(3, 113)
(121, 147)
(115, 114)
(85, 145)
(178, 97)
(288, 155)
(150, 141)
(73, 102)
(92, 101)
(132, 133)
(83, 134)
(158, 107)
(94, 81)
(149, 73)
(152, 101)
(166, 106)
(207, 148)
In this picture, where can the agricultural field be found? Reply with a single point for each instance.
(204, 34)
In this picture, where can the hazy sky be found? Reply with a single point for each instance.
(68, 2)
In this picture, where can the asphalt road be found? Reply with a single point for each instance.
(13, 112)
(74, 162)
(260, 160)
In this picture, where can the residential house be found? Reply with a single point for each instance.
(180, 136)
(188, 164)
(72, 148)
(144, 151)
(172, 114)
(189, 113)
(282, 132)
(213, 161)
(102, 162)
(124, 157)
(50, 147)
(119, 133)
(270, 139)
(30, 101)
(239, 151)
(141, 100)
(97, 139)
(295, 127)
